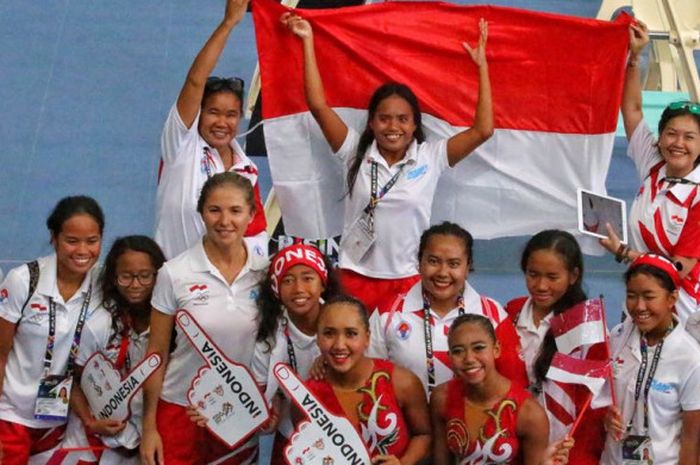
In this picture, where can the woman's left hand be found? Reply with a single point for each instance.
(196, 417)
(385, 460)
(478, 54)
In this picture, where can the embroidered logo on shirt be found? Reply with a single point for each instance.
(4, 295)
(417, 172)
(254, 293)
(403, 330)
(661, 387)
(677, 219)
(39, 307)
(199, 293)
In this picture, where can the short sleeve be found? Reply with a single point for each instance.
(642, 149)
(690, 390)
(174, 135)
(89, 344)
(377, 345)
(163, 298)
(13, 293)
(348, 150)
(260, 365)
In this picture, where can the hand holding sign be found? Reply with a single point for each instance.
(326, 439)
(224, 391)
(108, 395)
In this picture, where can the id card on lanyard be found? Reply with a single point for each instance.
(361, 235)
(637, 448)
(54, 390)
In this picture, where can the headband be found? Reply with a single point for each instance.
(660, 262)
(296, 254)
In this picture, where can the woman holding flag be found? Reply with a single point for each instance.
(391, 173)
(552, 262)
(656, 372)
(665, 216)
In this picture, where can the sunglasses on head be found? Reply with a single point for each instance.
(692, 107)
(234, 84)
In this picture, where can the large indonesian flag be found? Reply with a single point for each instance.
(557, 84)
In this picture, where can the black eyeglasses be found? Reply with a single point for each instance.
(234, 84)
(145, 278)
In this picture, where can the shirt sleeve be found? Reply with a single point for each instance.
(14, 291)
(690, 390)
(642, 149)
(346, 153)
(174, 134)
(163, 298)
(688, 244)
(377, 341)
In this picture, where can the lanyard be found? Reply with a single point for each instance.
(374, 195)
(123, 359)
(677, 180)
(48, 357)
(643, 347)
(290, 348)
(208, 162)
(428, 332)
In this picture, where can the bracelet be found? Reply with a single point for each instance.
(619, 255)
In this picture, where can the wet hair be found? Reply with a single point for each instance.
(226, 179)
(669, 113)
(660, 275)
(367, 137)
(565, 246)
(112, 299)
(68, 207)
(348, 300)
(474, 319)
(448, 229)
(270, 306)
(217, 85)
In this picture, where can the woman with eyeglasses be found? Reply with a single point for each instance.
(119, 329)
(665, 215)
(198, 141)
(44, 306)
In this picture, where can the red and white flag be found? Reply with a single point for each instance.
(557, 84)
(580, 326)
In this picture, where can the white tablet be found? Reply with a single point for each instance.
(595, 210)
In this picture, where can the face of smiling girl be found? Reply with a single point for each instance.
(343, 336)
(473, 353)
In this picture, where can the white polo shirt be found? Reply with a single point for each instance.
(96, 338)
(264, 360)
(665, 217)
(531, 337)
(183, 173)
(398, 335)
(402, 215)
(25, 363)
(226, 313)
(675, 388)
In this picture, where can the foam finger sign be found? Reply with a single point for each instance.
(324, 438)
(223, 391)
(108, 395)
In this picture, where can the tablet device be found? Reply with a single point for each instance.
(594, 210)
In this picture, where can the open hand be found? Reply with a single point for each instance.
(478, 54)
(297, 25)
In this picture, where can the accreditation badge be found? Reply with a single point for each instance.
(637, 450)
(359, 239)
(53, 398)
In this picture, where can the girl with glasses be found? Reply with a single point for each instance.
(198, 141)
(119, 330)
(44, 306)
(665, 215)
(391, 172)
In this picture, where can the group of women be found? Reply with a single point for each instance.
(420, 363)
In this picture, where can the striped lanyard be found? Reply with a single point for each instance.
(208, 164)
(48, 357)
(290, 348)
(428, 332)
(374, 195)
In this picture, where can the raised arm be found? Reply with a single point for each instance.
(631, 106)
(333, 128)
(462, 144)
(190, 99)
(159, 343)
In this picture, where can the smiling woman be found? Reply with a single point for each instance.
(52, 296)
(216, 281)
(198, 141)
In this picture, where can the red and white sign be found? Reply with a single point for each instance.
(224, 391)
(324, 438)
